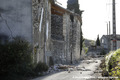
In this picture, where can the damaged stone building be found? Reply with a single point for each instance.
(65, 35)
(54, 32)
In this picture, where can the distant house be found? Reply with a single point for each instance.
(104, 41)
(54, 32)
(107, 41)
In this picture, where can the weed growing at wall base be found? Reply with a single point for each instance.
(41, 67)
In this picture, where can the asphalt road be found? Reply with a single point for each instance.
(86, 71)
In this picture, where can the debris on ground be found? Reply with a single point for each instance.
(69, 68)
(60, 67)
(87, 66)
(89, 61)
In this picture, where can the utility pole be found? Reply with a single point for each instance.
(114, 25)
(109, 37)
(107, 30)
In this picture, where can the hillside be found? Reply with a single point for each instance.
(88, 42)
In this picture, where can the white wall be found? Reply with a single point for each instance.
(104, 42)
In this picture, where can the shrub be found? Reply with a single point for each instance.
(103, 67)
(15, 58)
(86, 50)
(111, 66)
(114, 64)
(41, 67)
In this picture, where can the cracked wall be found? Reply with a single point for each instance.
(55, 36)
(22, 18)
(15, 18)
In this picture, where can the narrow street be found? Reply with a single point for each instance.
(59, 40)
(87, 69)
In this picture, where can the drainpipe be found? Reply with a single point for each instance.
(41, 19)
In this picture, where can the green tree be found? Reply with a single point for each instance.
(98, 41)
(74, 6)
(92, 43)
(81, 42)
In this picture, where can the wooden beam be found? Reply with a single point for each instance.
(57, 8)
(55, 12)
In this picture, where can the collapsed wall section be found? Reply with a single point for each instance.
(58, 49)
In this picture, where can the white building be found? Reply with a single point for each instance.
(107, 42)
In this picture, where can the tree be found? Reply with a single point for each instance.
(74, 6)
(92, 43)
(98, 41)
(81, 42)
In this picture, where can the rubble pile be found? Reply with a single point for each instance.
(59, 67)
(89, 61)
(69, 68)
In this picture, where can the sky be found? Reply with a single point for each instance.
(96, 15)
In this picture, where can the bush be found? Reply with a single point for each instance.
(86, 50)
(41, 67)
(15, 58)
(114, 64)
(103, 67)
(111, 66)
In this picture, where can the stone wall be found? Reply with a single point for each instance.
(58, 49)
(65, 49)
(75, 39)
(22, 18)
(36, 9)
(41, 30)
(57, 27)
(58, 53)
(50, 35)
(66, 33)
(58, 36)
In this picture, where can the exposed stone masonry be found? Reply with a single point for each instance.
(40, 33)
(63, 35)
(57, 27)
(46, 25)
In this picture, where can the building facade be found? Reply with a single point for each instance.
(107, 42)
(54, 32)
